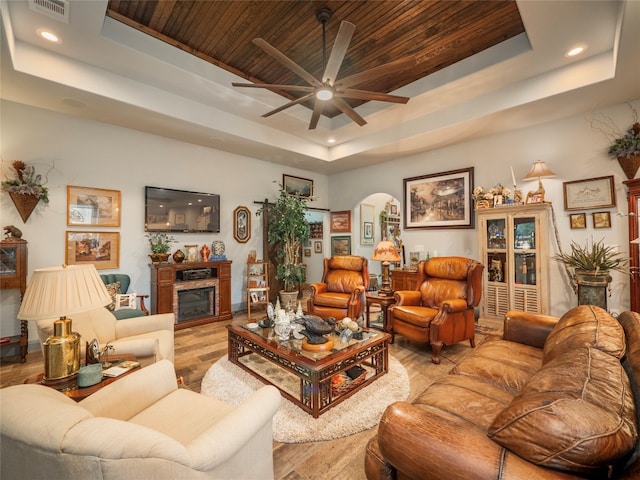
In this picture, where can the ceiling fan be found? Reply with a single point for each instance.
(331, 89)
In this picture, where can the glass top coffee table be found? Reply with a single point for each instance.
(313, 371)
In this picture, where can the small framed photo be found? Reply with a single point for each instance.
(254, 297)
(601, 220)
(535, 197)
(317, 246)
(578, 220)
(126, 301)
(100, 248)
(307, 252)
(393, 209)
(301, 187)
(340, 246)
(93, 207)
(341, 221)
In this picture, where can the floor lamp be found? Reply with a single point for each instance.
(386, 252)
(55, 293)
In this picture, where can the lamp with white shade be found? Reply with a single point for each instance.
(57, 292)
(386, 252)
(539, 170)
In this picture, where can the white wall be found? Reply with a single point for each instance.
(93, 154)
(571, 148)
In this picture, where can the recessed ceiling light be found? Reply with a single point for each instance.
(332, 140)
(577, 50)
(48, 35)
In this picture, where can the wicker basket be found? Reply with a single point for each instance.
(347, 386)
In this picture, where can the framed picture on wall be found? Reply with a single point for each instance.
(340, 246)
(439, 200)
(340, 221)
(100, 248)
(301, 187)
(601, 219)
(241, 224)
(578, 220)
(93, 207)
(367, 219)
(317, 246)
(591, 193)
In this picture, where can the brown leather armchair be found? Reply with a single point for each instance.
(342, 290)
(440, 311)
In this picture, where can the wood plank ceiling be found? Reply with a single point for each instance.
(438, 32)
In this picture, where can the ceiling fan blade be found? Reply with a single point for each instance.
(293, 88)
(287, 62)
(290, 104)
(317, 110)
(348, 110)
(374, 72)
(338, 51)
(366, 95)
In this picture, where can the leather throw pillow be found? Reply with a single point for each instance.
(576, 414)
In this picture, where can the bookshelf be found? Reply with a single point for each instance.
(257, 286)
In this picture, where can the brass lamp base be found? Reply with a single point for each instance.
(61, 353)
(385, 289)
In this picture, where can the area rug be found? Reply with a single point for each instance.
(229, 383)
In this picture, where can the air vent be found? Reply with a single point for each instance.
(58, 9)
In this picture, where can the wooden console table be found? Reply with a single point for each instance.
(167, 279)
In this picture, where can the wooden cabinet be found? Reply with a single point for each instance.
(195, 292)
(633, 199)
(514, 249)
(402, 279)
(13, 274)
(257, 286)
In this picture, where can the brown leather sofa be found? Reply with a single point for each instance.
(441, 309)
(342, 291)
(552, 399)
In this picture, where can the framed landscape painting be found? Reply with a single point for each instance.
(439, 200)
(93, 207)
(301, 187)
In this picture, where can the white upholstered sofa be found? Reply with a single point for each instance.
(149, 338)
(141, 426)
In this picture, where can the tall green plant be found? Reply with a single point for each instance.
(288, 228)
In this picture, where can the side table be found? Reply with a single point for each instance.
(76, 393)
(384, 302)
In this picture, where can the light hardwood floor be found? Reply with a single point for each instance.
(197, 348)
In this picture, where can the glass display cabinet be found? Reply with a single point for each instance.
(515, 255)
(13, 274)
(633, 199)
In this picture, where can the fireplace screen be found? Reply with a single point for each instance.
(196, 303)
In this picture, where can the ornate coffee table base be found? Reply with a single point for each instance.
(316, 396)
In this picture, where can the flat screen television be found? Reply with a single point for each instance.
(168, 210)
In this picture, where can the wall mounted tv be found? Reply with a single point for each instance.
(168, 210)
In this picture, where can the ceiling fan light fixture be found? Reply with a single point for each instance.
(324, 94)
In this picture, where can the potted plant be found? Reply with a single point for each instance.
(590, 266)
(288, 228)
(26, 189)
(624, 146)
(160, 244)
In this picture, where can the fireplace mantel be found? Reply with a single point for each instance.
(167, 278)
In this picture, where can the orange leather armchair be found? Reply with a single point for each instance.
(342, 290)
(440, 311)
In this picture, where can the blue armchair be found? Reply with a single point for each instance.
(119, 283)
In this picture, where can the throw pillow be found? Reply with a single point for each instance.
(113, 289)
(585, 325)
(577, 414)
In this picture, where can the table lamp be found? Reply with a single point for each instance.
(386, 253)
(539, 170)
(58, 292)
